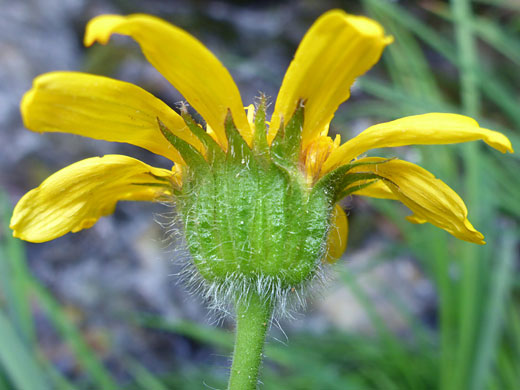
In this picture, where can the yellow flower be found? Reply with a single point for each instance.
(335, 51)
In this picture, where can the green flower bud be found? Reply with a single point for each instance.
(251, 222)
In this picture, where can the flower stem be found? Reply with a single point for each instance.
(253, 316)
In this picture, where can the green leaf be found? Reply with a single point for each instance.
(238, 149)
(97, 373)
(335, 183)
(13, 270)
(285, 149)
(213, 150)
(144, 378)
(18, 362)
(498, 298)
(191, 156)
(260, 145)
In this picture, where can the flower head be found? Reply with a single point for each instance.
(258, 199)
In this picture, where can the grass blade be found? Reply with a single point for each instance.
(17, 360)
(498, 298)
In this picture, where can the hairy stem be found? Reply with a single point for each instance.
(253, 316)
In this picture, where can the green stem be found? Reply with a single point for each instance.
(253, 316)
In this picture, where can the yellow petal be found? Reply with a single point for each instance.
(336, 49)
(315, 154)
(415, 219)
(251, 116)
(430, 199)
(184, 61)
(378, 189)
(426, 129)
(102, 108)
(213, 135)
(338, 235)
(75, 197)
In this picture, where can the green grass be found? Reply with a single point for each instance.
(21, 290)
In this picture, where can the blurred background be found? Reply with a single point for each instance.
(407, 307)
